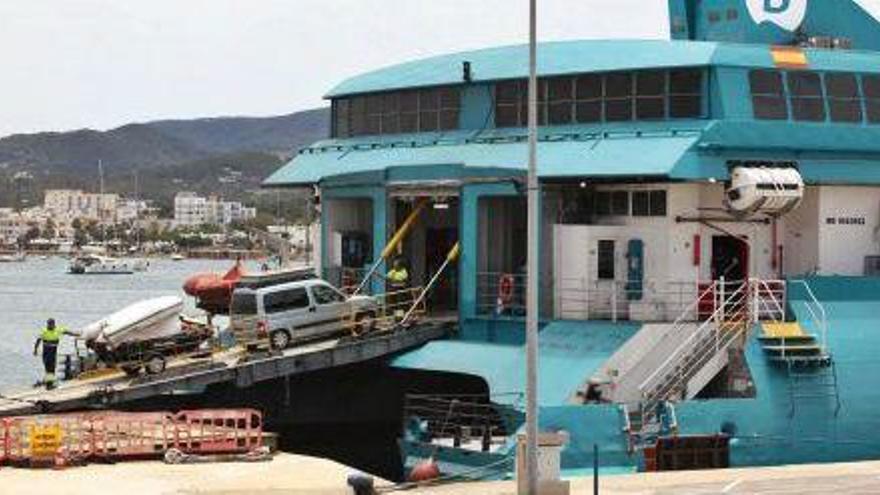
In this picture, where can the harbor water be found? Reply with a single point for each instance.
(37, 289)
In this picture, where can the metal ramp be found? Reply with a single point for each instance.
(808, 362)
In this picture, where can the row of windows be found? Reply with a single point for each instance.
(611, 97)
(400, 112)
(297, 298)
(635, 203)
(813, 97)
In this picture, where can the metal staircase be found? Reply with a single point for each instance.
(808, 362)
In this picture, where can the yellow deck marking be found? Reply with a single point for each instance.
(780, 330)
(789, 57)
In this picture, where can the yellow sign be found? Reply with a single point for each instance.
(45, 441)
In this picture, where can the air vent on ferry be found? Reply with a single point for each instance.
(763, 190)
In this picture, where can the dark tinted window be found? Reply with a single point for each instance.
(285, 300)
(397, 112)
(605, 258)
(560, 97)
(651, 95)
(844, 104)
(805, 92)
(620, 203)
(603, 203)
(244, 304)
(685, 93)
(641, 203)
(657, 205)
(768, 95)
(871, 90)
(326, 295)
(619, 97)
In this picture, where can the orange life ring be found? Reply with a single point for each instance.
(505, 288)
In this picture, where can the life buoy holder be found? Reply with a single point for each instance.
(505, 288)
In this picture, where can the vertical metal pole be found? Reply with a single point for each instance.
(532, 268)
(595, 469)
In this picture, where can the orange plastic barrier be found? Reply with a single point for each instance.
(218, 430)
(113, 435)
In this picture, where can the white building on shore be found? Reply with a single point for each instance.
(74, 203)
(191, 210)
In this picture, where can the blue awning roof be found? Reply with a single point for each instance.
(623, 154)
(582, 56)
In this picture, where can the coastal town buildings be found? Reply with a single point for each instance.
(192, 210)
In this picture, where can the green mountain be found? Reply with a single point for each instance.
(163, 143)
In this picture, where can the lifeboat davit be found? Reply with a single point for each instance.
(213, 292)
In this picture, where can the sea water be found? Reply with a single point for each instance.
(38, 289)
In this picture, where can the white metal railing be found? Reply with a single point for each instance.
(715, 335)
(769, 300)
(817, 312)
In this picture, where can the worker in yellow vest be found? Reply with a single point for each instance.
(398, 281)
(50, 338)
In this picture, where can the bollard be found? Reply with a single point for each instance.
(361, 484)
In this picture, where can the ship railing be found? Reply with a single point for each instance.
(501, 294)
(460, 418)
(769, 299)
(816, 311)
(392, 307)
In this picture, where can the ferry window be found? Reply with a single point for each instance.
(768, 95)
(429, 110)
(844, 104)
(620, 203)
(560, 96)
(618, 97)
(805, 91)
(871, 89)
(374, 114)
(685, 93)
(326, 295)
(605, 260)
(450, 106)
(641, 201)
(358, 114)
(524, 103)
(657, 205)
(390, 114)
(588, 94)
(408, 103)
(649, 203)
(507, 104)
(340, 118)
(603, 203)
(650, 95)
(286, 300)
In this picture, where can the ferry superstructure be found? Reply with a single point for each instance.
(711, 231)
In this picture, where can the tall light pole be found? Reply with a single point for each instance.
(532, 265)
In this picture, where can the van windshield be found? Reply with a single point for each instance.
(244, 304)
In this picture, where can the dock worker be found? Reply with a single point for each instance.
(398, 281)
(50, 338)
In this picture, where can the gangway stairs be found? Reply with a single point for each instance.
(705, 352)
(807, 360)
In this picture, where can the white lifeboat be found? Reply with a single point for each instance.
(763, 190)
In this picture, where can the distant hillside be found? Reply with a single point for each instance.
(163, 143)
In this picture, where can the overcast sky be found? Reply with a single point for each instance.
(69, 64)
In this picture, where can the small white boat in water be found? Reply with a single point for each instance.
(177, 257)
(93, 264)
(145, 320)
(13, 258)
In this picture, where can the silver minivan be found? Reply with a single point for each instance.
(298, 311)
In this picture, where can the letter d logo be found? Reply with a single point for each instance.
(787, 14)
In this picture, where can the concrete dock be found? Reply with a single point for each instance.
(299, 475)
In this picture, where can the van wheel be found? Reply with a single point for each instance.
(131, 371)
(155, 364)
(279, 340)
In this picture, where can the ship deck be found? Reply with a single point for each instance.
(190, 375)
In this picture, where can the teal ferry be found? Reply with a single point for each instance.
(709, 250)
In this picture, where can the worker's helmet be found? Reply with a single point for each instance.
(50, 323)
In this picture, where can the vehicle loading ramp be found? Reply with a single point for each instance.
(234, 366)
